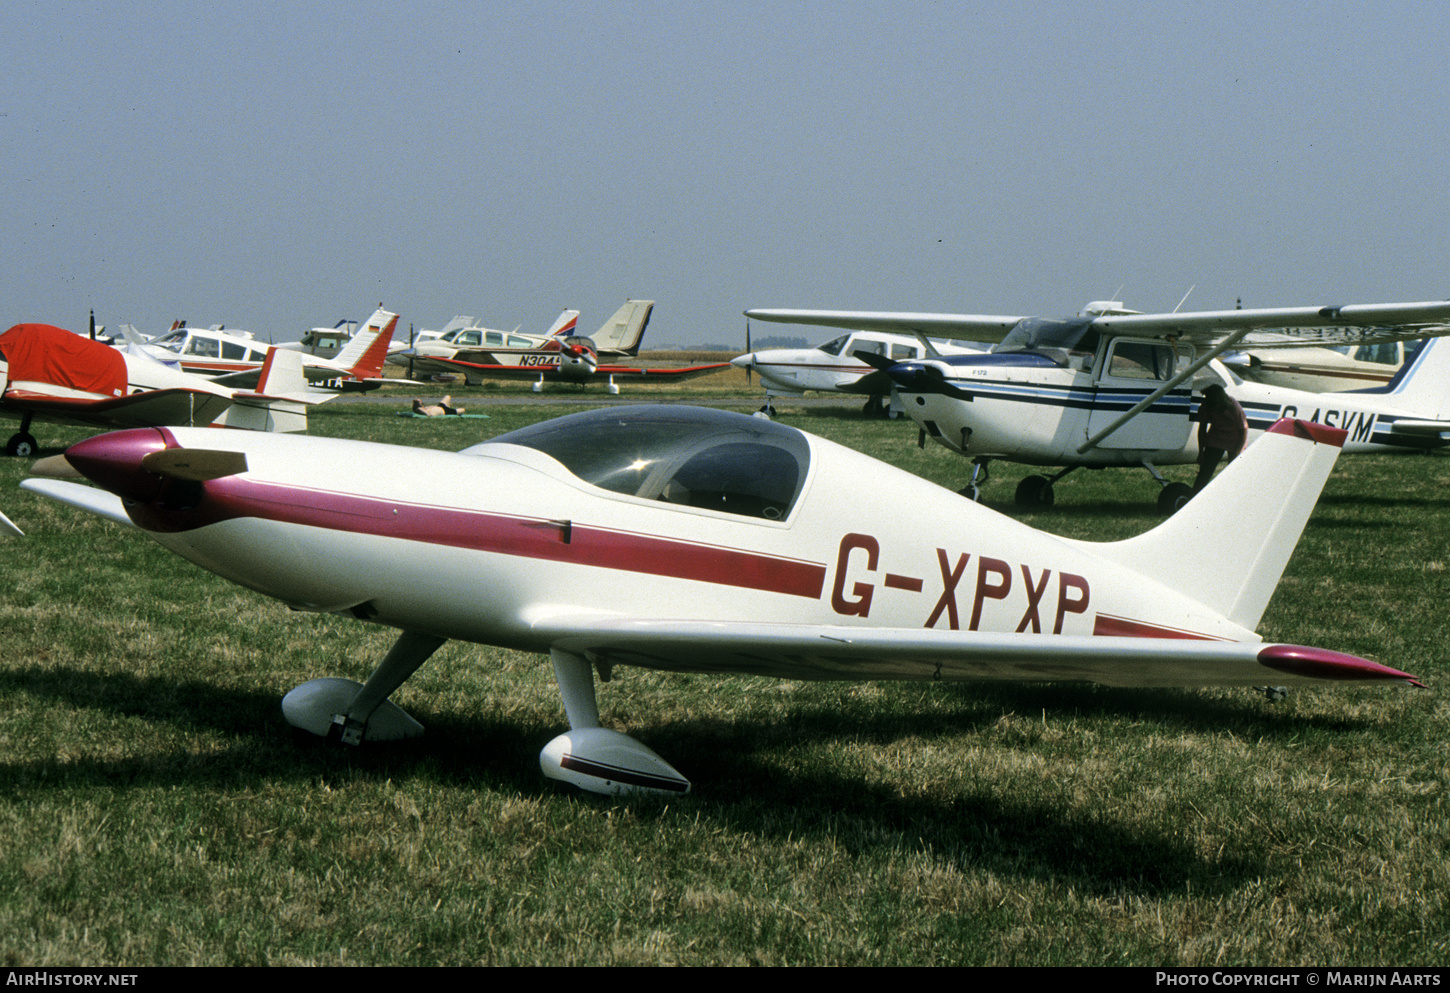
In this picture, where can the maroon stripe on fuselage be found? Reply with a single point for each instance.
(233, 498)
(1106, 625)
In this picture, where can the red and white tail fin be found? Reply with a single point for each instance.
(365, 353)
(621, 334)
(565, 325)
(1228, 547)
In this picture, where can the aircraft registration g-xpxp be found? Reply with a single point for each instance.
(728, 547)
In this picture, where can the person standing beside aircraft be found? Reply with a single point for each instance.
(1222, 430)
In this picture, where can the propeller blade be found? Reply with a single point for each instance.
(55, 467)
(914, 377)
(748, 350)
(195, 464)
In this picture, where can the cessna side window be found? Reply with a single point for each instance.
(205, 347)
(834, 346)
(689, 457)
(1386, 353)
(517, 342)
(1138, 360)
(492, 338)
(231, 350)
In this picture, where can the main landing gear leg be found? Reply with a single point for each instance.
(595, 758)
(973, 490)
(352, 711)
(1173, 496)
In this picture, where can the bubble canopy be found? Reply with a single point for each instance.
(690, 456)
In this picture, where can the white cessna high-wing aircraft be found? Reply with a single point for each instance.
(727, 548)
(1113, 387)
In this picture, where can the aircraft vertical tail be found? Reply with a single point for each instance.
(1228, 547)
(565, 325)
(366, 351)
(621, 334)
(275, 405)
(1422, 384)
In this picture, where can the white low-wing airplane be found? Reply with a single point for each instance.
(1114, 388)
(728, 549)
(834, 368)
(51, 374)
(559, 355)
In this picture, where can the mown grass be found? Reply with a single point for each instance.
(157, 810)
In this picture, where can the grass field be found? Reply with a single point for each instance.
(156, 810)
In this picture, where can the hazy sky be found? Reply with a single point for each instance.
(275, 166)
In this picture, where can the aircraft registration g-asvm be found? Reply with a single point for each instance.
(561, 355)
(1113, 387)
(727, 548)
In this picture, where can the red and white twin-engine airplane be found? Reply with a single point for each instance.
(729, 548)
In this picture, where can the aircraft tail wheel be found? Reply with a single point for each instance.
(1173, 497)
(21, 445)
(1034, 491)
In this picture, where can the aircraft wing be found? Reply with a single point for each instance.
(532, 372)
(173, 406)
(1278, 327)
(797, 651)
(983, 327)
(1292, 327)
(684, 372)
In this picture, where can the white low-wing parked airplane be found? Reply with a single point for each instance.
(1114, 388)
(834, 368)
(235, 359)
(727, 548)
(50, 374)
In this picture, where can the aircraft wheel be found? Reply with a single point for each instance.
(1034, 491)
(768, 410)
(1173, 497)
(21, 445)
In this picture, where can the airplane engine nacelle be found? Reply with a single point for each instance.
(579, 359)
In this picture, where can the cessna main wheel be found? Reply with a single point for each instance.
(1173, 497)
(1034, 491)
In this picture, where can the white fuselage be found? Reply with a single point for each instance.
(1040, 409)
(833, 367)
(508, 537)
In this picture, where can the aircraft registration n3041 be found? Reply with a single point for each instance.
(726, 545)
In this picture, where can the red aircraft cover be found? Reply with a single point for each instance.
(41, 353)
